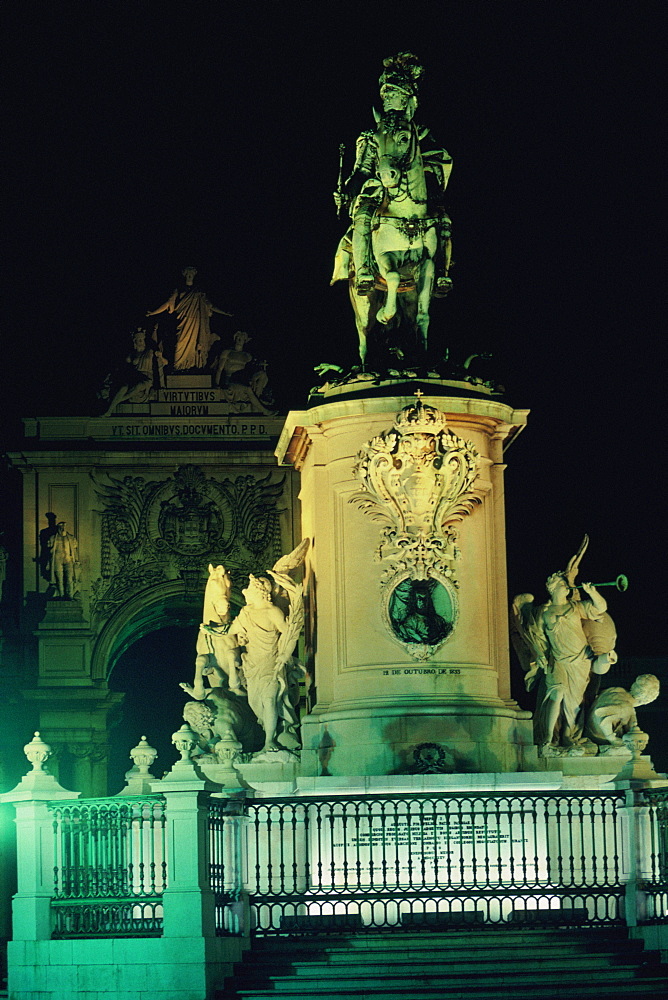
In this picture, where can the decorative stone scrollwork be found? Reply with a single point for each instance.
(96, 753)
(158, 530)
(418, 480)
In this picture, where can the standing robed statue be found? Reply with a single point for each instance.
(194, 338)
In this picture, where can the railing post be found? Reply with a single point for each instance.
(189, 919)
(639, 866)
(188, 899)
(234, 861)
(35, 860)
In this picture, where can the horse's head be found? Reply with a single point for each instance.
(397, 148)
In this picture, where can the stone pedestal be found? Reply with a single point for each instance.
(374, 707)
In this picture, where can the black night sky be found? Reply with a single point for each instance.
(143, 136)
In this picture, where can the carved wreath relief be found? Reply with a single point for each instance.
(418, 480)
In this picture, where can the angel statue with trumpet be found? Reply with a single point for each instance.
(564, 645)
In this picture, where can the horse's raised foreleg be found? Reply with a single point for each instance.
(426, 282)
(389, 310)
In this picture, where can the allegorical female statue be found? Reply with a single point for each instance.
(194, 338)
(562, 644)
(252, 654)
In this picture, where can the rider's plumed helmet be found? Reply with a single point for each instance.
(402, 71)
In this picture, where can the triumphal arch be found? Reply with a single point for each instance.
(122, 514)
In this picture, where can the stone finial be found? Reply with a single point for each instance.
(38, 785)
(184, 740)
(636, 741)
(143, 756)
(638, 772)
(138, 779)
(37, 752)
(185, 775)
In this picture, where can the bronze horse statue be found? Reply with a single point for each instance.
(398, 242)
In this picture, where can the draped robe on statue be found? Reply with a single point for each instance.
(266, 679)
(194, 338)
(569, 670)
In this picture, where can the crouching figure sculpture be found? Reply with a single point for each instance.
(613, 713)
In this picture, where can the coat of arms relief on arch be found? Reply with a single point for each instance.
(157, 530)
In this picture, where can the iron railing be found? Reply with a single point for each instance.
(398, 862)
(373, 862)
(653, 823)
(110, 867)
(227, 862)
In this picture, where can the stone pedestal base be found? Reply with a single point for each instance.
(60, 611)
(404, 739)
(399, 492)
(602, 770)
(273, 774)
(269, 772)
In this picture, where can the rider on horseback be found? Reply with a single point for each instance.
(363, 193)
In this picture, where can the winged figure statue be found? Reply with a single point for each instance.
(563, 646)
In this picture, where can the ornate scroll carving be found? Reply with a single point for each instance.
(156, 530)
(418, 480)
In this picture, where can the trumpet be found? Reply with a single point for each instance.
(621, 583)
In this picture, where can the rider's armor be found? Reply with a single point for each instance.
(363, 193)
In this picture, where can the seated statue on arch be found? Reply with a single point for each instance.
(141, 375)
(563, 645)
(241, 379)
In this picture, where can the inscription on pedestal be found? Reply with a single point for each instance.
(443, 837)
(398, 672)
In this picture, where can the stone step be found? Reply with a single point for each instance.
(428, 939)
(293, 966)
(474, 971)
(450, 952)
(651, 979)
(552, 954)
(464, 965)
(659, 991)
(493, 989)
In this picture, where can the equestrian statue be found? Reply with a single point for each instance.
(396, 253)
